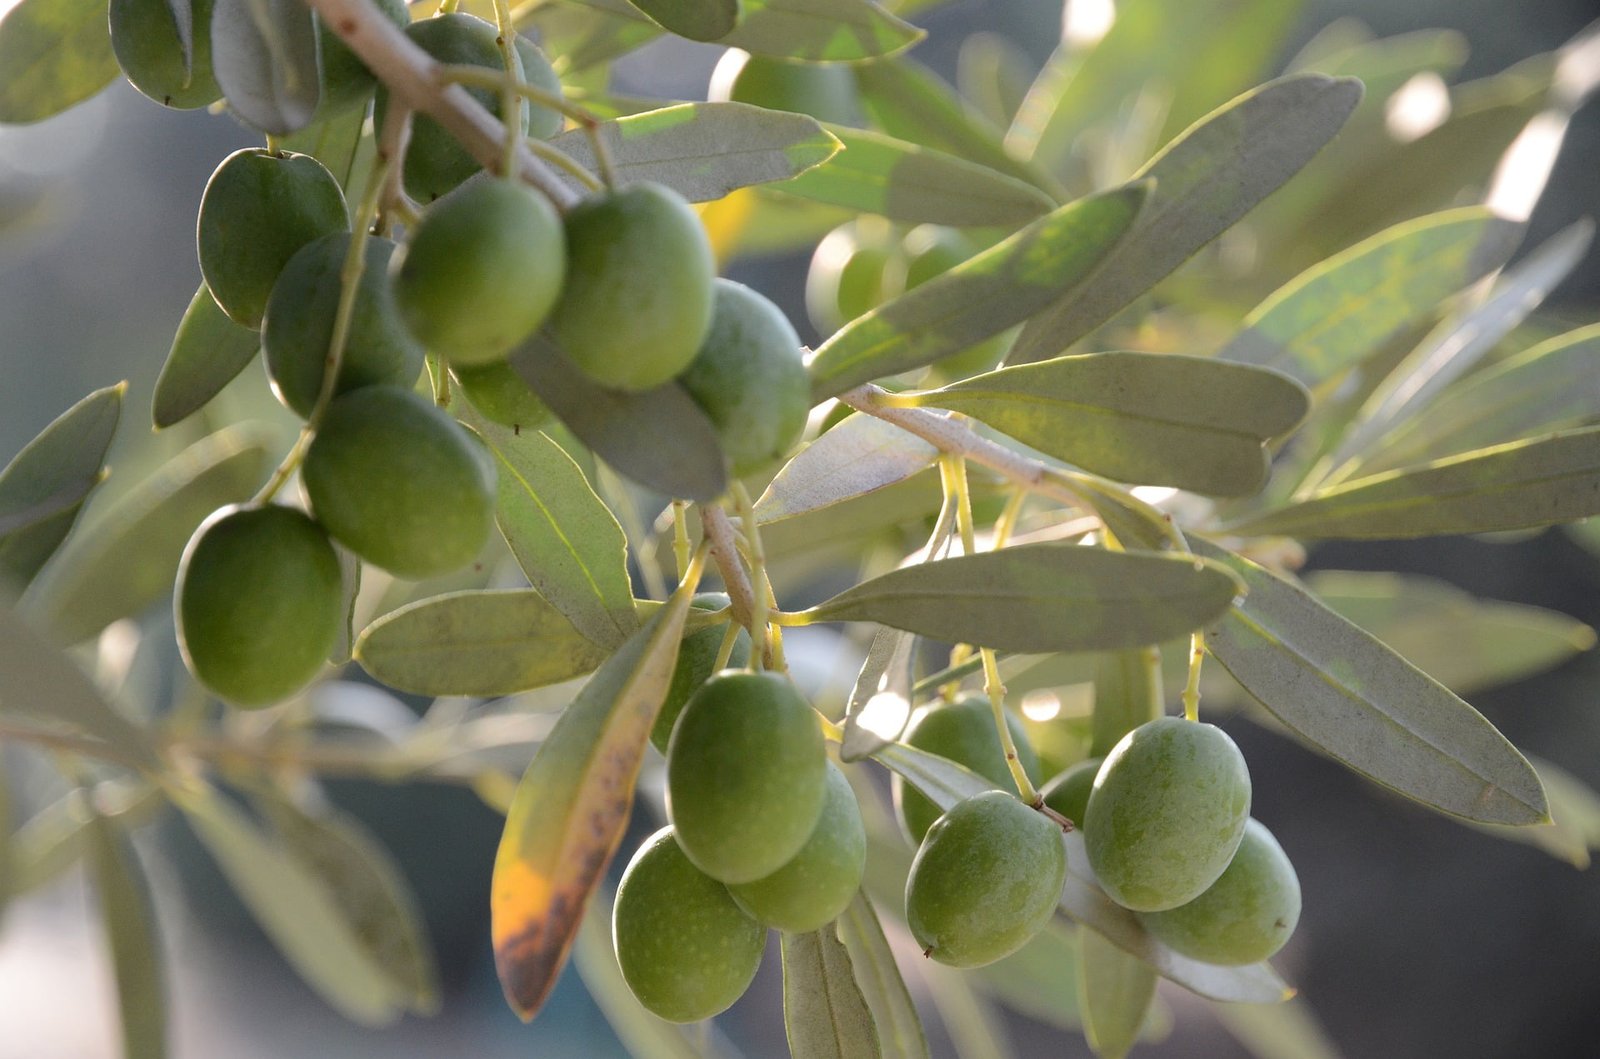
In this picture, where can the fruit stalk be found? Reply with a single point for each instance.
(719, 532)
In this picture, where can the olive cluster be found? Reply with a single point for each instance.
(765, 832)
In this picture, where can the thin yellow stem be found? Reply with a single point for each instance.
(1191, 689)
(680, 535)
(511, 105)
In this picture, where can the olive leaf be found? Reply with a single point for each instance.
(53, 54)
(899, 1029)
(695, 19)
(859, 455)
(209, 350)
(1287, 1029)
(822, 30)
(824, 1012)
(136, 959)
(1574, 829)
(1115, 991)
(264, 53)
(57, 836)
(1127, 694)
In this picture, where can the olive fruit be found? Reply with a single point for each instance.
(1068, 793)
(1243, 917)
(258, 603)
(1167, 812)
(259, 209)
(686, 950)
(481, 271)
(539, 122)
(964, 732)
(298, 326)
(637, 303)
(827, 93)
(501, 395)
(746, 775)
(400, 483)
(930, 251)
(985, 880)
(820, 881)
(144, 38)
(851, 273)
(697, 659)
(748, 377)
(346, 81)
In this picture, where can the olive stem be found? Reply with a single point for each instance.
(440, 380)
(511, 104)
(1191, 689)
(725, 650)
(566, 163)
(719, 533)
(680, 535)
(765, 600)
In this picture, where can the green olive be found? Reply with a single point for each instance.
(852, 272)
(1246, 915)
(820, 881)
(827, 93)
(1068, 793)
(144, 37)
(298, 326)
(749, 378)
(259, 209)
(697, 659)
(258, 603)
(400, 483)
(686, 949)
(746, 775)
(1167, 812)
(346, 81)
(637, 303)
(985, 880)
(540, 122)
(481, 271)
(964, 732)
(502, 396)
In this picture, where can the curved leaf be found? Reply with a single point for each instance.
(1115, 990)
(265, 56)
(695, 19)
(208, 351)
(900, 1033)
(825, 1014)
(53, 54)
(860, 454)
(821, 30)
(136, 962)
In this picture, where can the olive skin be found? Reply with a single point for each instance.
(145, 39)
(540, 122)
(637, 303)
(1245, 916)
(298, 326)
(697, 659)
(821, 880)
(481, 271)
(502, 396)
(985, 880)
(1068, 793)
(260, 209)
(346, 81)
(852, 272)
(746, 775)
(749, 378)
(258, 603)
(964, 732)
(400, 483)
(686, 949)
(1167, 812)
(827, 93)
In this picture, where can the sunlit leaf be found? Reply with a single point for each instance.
(859, 455)
(981, 297)
(571, 809)
(208, 352)
(55, 838)
(1573, 832)
(1344, 691)
(695, 19)
(899, 1029)
(880, 703)
(129, 917)
(821, 30)
(53, 53)
(1115, 989)
(1277, 1031)
(264, 53)
(824, 1012)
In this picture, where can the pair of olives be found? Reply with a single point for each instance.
(765, 832)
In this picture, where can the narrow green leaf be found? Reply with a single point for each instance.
(1206, 180)
(566, 540)
(1335, 314)
(1127, 694)
(659, 438)
(571, 808)
(824, 1013)
(53, 54)
(581, 36)
(821, 30)
(695, 19)
(1574, 829)
(857, 456)
(899, 1029)
(1115, 989)
(44, 487)
(1277, 1031)
(1039, 980)
(125, 561)
(1043, 597)
(1155, 418)
(208, 352)
(370, 891)
(476, 643)
(1346, 692)
(916, 185)
(129, 917)
(54, 838)
(705, 150)
(265, 56)
(349, 594)
(1518, 485)
(980, 297)
(643, 1034)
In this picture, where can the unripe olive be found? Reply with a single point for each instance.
(746, 775)
(259, 209)
(637, 303)
(400, 483)
(686, 949)
(297, 329)
(820, 881)
(1068, 793)
(749, 378)
(985, 880)
(851, 273)
(502, 396)
(1167, 812)
(346, 81)
(964, 732)
(827, 93)
(1246, 915)
(145, 38)
(932, 250)
(481, 271)
(540, 122)
(257, 603)
(697, 659)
